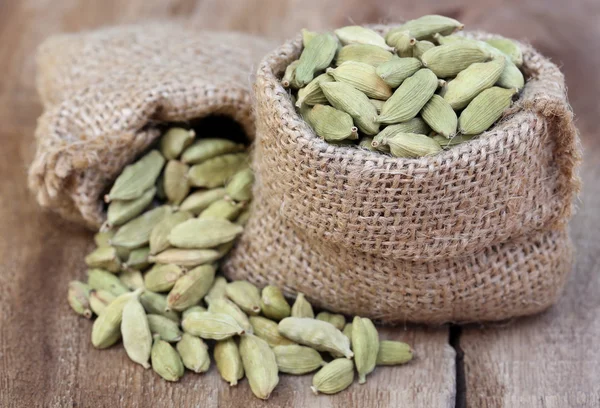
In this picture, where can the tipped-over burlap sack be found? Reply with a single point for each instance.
(474, 233)
(103, 91)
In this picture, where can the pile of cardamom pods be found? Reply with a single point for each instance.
(152, 281)
(419, 90)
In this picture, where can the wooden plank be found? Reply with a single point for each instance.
(46, 358)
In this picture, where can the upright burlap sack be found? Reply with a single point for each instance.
(103, 91)
(474, 233)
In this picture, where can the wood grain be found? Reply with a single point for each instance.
(46, 358)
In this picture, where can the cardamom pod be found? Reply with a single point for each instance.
(473, 80)
(137, 260)
(193, 309)
(453, 141)
(217, 290)
(421, 47)
(214, 326)
(203, 233)
(321, 336)
(99, 300)
(412, 145)
(191, 287)
(273, 304)
(403, 42)
(440, 116)
(132, 278)
(173, 143)
(377, 103)
(200, 200)
(223, 209)
(485, 109)
(426, 26)
(365, 344)
(508, 47)
(175, 182)
(104, 258)
(226, 306)
(243, 218)
(511, 77)
(160, 233)
(167, 329)
(316, 56)
(307, 36)
(155, 303)
(336, 376)
(121, 211)
(268, 331)
(302, 307)
(448, 60)
(79, 298)
(298, 360)
(361, 35)
(106, 329)
(289, 76)
(102, 238)
(186, 257)
(239, 188)
(136, 233)
(367, 143)
(365, 53)
(396, 70)
(260, 364)
(245, 295)
(162, 278)
(348, 331)
(393, 353)
(137, 177)
(229, 362)
(415, 125)
(123, 253)
(100, 279)
(312, 94)
(337, 320)
(217, 171)
(362, 77)
(409, 98)
(194, 353)
(209, 148)
(329, 123)
(137, 339)
(355, 103)
(166, 361)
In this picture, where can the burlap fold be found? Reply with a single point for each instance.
(103, 91)
(475, 233)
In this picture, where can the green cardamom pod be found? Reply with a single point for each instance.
(320, 335)
(395, 71)
(297, 360)
(245, 295)
(393, 353)
(473, 80)
(213, 326)
(453, 141)
(412, 145)
(217, 290)
(409, 98)
(336, 376)
(403, 42)
(159, 236)
(337, 320)
(203, 233)
(162, 278)
(136, 233)
(79, 298)
(106, 330)
(355, 103)
(268, 331)
(415, 125)
(210, 148)
(194, 353)
(167, 329)
(361, 35)
(137, 177)
(226, 306)
(99, 279)
(365, 344)
(137, 339)
(440, 116)
(316, 56)
(104, 258)
(191, 287)
(260, 364)
(508, 47)
(243, 218)
(186, 258)
(166, 361)
(132, 278)
(367, 143)
(312, 94)
(377, 103)
(120, 211)
(155, 303)
(426, 26)
(348, 331)
(307, 36)
(200, 200)
(273, 304)
(191, 310)
(175, 141)
(217, 171)
(329, 123)
(302, 307)
(175, 182)
(363, 77)
(448, 60)
(484, 110)
(289, 76)
(137, 260)
(511, 77)
(365, 53)
(99, 300)
(239, 188)
(229, 362)
(421, 47)
(223, 209)
(102, 238)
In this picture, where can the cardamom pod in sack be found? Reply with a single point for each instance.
(104, 91)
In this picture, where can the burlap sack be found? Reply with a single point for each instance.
(103, 93)
(475, 233)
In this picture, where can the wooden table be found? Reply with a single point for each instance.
(46, 359)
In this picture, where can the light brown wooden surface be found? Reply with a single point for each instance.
(46, 358)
